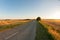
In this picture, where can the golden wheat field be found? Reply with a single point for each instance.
(11, 23)
(53, 26)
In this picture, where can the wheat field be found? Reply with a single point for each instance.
(11, 23)
(53, 26)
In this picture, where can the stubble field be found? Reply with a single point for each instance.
(53, 26)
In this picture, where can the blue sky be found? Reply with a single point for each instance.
(30, 9)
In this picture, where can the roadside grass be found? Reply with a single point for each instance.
(42, 33)
(52, 31)
(10, 26)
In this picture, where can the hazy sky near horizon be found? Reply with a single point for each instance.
(30, 9)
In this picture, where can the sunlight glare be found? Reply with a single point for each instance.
(56, 15)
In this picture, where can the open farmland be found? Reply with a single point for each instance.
(11, 23)
(53, 26)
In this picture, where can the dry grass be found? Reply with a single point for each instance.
(8, 24)
(53, 27)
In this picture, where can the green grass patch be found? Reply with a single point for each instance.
(42, 33)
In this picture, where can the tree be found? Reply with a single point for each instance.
(38, 19)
